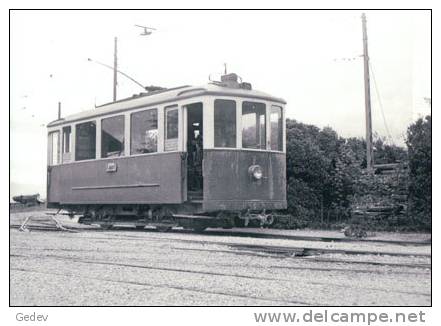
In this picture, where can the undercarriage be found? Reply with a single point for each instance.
(165, 217)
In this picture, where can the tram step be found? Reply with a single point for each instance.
(195, 217)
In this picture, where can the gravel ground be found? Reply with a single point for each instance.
(150, 268)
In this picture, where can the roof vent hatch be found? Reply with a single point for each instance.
(232, 81)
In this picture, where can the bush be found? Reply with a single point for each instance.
(327, 180)
(419, 144)
(320, 172)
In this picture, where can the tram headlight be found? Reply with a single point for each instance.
(256, 172)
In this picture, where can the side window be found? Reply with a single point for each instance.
(66, 155)
(85, 141)
(54, 148)
(144, 132)
(276, 128)
(171, 128)
(67, 131)
(224, 123)
(253, 125)
(112, 136)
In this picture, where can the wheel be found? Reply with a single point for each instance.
(84, 219)
(199, 228)
(238, 222)
(269, 220)
(225, 221)
(163, 228)
(106, 226)
(105, 220)
(140, 227)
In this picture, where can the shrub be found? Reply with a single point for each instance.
(419, 144)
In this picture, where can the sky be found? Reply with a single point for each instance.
(309, 58)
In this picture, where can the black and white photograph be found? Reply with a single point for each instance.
(238, 158)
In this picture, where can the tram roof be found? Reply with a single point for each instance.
(164, 96)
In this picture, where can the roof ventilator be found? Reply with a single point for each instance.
(232, 81)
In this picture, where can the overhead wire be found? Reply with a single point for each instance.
(380, 102)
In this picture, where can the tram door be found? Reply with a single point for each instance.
(194, 151)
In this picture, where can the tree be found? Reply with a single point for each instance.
(358, 147)
(419, 145)
(384, 153)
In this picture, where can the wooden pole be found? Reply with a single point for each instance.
(367, 98)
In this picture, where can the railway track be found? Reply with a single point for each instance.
(217, 274)
(287, 265)
(292, 251)
(323, 260)
(240, 234)
(286, 251)
(311, 238)
(235, 251)
(310, 251)
(181, 288)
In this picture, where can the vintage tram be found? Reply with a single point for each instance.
(197, 157)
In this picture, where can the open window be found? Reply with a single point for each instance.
(85, 141)
(144, 132)
(112, 136)
(54, 148)
(224, 123)
(253, 125)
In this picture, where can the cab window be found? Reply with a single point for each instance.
(66, 155)
(144, 132)
(85, 141)
(54, 148)
(276, 128)
(112, 136)
(253, 125)
(67, 131)
(224, 123)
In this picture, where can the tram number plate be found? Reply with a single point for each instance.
(111, 167)
(171, 145)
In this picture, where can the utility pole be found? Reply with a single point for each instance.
(115, 69)
(147, 31)
(367, 98)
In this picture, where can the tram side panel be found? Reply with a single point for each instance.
(145, 179)
(228, 184)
